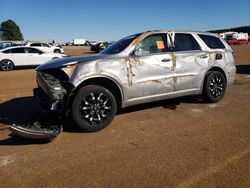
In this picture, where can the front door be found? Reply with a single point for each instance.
(35, 56)
(150, 68)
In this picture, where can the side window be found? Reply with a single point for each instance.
(36, 44)
(33, 51)
(156, 43)
(17, 50)
(185, 42)
(45, 45)
(212, 41)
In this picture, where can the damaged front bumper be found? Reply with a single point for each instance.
(41, 133)
(52, 96)
(46, 125)
(53, 89)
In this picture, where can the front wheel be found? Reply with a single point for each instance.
(93, 108)
(6, 65)
(214, 86)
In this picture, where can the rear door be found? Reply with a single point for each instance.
(190, 62)
(47, 48)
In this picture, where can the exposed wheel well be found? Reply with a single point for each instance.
(107, 83)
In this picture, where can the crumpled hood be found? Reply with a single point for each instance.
(55, 63)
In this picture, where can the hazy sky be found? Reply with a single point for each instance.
(63, 20)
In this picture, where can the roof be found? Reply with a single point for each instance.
(180, 31)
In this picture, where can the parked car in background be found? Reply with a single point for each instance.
(68, 44)
(100, 46)
(24, 56)
(46, 47)
(141, 68)
(244, 42)
(5, 45)
(93, 42)
(234, 41)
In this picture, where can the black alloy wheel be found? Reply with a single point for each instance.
(93, 108)
(214, 86)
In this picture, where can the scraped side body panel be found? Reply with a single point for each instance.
(158, 76)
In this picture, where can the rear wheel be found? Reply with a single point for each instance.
(93, 108)
(57, 51)
(214, 86)
(6, 65)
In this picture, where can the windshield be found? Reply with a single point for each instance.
(120, 45)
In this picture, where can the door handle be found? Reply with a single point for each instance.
(166, 60)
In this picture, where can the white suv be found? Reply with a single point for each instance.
(46, 47)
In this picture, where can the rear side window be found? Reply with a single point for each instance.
(35, 44)
(212, 41)
(45, 45)
(185, 42)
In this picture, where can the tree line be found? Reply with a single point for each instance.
(243, 29)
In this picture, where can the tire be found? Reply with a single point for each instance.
(93, 108)
(6, 65)
(57, 51)
(215, 85)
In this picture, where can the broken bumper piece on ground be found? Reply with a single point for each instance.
(36, 132)
(46, 124)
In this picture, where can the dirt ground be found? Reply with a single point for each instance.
(176, 143)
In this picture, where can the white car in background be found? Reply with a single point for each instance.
(46, 47)
(24, 56)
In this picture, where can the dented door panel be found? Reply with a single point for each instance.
(150, 75)
(190, 69)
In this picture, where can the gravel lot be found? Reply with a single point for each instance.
(175, 143)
